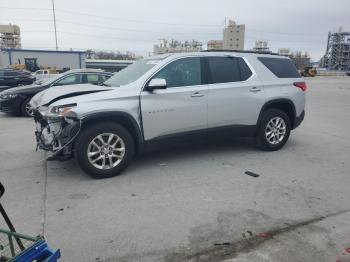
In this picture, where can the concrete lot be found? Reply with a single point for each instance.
(195, 204)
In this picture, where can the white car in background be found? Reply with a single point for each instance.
(43, 73)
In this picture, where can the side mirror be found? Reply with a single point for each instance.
(156, 83)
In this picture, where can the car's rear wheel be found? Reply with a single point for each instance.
(274, 130)
(104, 150)
(26, 109)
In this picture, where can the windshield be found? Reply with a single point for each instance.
(132, 72)
(46, 81)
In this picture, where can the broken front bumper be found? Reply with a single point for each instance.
(56, 135)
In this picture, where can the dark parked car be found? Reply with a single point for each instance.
(12, 78)
(16, 100)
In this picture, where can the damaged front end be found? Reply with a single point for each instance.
(56, 130)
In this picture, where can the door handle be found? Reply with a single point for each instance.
(255, 89)
(197, 94)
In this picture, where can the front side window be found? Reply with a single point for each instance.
(69, 80)
(182, 72)
(223, 70)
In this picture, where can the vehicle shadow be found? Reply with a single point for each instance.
(174, 154)
(176, 157)
(195, 151)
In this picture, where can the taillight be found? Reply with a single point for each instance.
(301, 85)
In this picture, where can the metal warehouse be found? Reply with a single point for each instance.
(60, 60)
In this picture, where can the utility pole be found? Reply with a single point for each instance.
(54, 22)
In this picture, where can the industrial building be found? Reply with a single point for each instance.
(261, 46)
(215, 44)
(53, 59)
(284, 51)
(337, 55)
(233, 36)
(175, 46)
(10, 36)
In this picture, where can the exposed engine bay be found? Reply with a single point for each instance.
(56, 135)
(56, 126)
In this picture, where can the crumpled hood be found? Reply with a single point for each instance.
(55, 93)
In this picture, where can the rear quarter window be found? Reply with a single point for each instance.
(280, 67)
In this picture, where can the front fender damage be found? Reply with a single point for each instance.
(56, 136)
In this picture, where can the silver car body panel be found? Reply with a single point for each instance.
(181, 109)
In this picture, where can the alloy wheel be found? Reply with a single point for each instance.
(275, 130)
(106, 151)
(29, 110)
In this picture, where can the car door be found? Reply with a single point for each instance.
(179, 108)
(235, 94)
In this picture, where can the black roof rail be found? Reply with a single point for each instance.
(241, 51)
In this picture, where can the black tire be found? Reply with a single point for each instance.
(261, 138)
(23, 108)
(91, 132)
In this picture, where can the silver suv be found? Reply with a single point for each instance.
(170, 99)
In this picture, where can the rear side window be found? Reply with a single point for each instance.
(280, 67)
(223, 70)
(92, 78)
(227, 69)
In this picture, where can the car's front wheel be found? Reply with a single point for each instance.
(274, 130)
(26, 108)
(104, 150)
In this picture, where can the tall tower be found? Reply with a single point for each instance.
(337, 55)
(234, 36)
